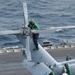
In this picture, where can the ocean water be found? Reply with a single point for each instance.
(46, 13)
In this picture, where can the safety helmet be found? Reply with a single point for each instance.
(31, 22)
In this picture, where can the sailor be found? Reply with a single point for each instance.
(52, 73)
(51, 67)
(64, 71)
(35, 36)
(68, 71)
(68, 57)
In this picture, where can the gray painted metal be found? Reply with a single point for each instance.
(51, 29)
(27, 51)
(41, 55)
(37, 69)
(11, 32)
(25, 14)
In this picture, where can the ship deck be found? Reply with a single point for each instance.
(11, 60)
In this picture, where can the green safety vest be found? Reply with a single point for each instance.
(68, 70)
(52, 73)
(35, 26)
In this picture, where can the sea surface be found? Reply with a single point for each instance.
(46, 13)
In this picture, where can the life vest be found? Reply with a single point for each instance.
(52, 73)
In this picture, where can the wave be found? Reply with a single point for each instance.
(46, 12)
(11, 44)
(34, 15)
